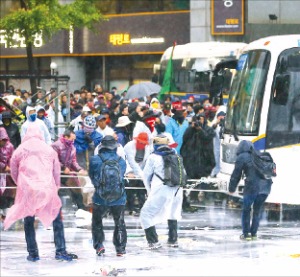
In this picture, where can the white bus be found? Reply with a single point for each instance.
(264, 107)
(194, 64)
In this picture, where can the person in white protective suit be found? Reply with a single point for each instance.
(164, 203)
(137, 151)
(31, 116)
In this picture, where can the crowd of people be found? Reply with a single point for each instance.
(105, 121)
(193, 128)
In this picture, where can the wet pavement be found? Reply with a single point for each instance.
(209, 245)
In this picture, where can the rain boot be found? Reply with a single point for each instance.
(172, 235)
(152, 238)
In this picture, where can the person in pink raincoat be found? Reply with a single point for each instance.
(35, 168)
(7, 196)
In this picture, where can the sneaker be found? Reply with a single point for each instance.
(73, 256)
(245, 238)
(121, 253)
(33, 257)
(173, 244)
(100, 251)
(65, 256)
(154, 245)
(254, 237)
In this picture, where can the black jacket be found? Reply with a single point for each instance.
(254, 184)
(13, 134)
(197, 152)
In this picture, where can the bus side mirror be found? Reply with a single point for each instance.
(281, 89)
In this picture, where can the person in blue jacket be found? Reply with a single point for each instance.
(87, 139)
(108, 151)
(256, 189)
(177, 125)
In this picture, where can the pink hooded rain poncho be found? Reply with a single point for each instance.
(35, 168)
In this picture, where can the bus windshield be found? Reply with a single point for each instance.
(246, 95)
(201, 69)
(196, 77)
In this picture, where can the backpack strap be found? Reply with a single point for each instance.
(159, 177)
(101, 157)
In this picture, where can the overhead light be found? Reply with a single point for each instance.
(53, 66)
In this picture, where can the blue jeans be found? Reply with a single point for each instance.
(58, 230)
(257, 201)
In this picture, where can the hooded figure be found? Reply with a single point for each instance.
(32, 119)
(256, 189)
(11, 128)
(6, 151)
(42, 115)
(164, 203)
(36, 171)
(197, 149)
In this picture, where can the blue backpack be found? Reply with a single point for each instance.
(111, 185)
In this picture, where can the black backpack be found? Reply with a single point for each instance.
(111, 185)
(264, 164)
(175, 174)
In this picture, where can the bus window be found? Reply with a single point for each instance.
(283, 126)
(281, 89)
(295, 114)
(247, 91)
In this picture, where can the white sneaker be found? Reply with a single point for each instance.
(155, 245)
(173, 244)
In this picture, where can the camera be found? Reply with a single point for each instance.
(222, 122)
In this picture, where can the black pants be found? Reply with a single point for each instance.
(58, 230)
(120, 233)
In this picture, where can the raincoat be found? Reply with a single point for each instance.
(36, 171)
(163, 202)
(47, 121)
(130, 152)
(5, 155)
(197, 151)
(40, 123)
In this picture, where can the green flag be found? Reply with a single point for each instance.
(169, 82)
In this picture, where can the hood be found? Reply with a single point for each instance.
(33, 131)
(245, 146)
(163, 150)
(28, 109)
(3, 134)
(39, 107)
